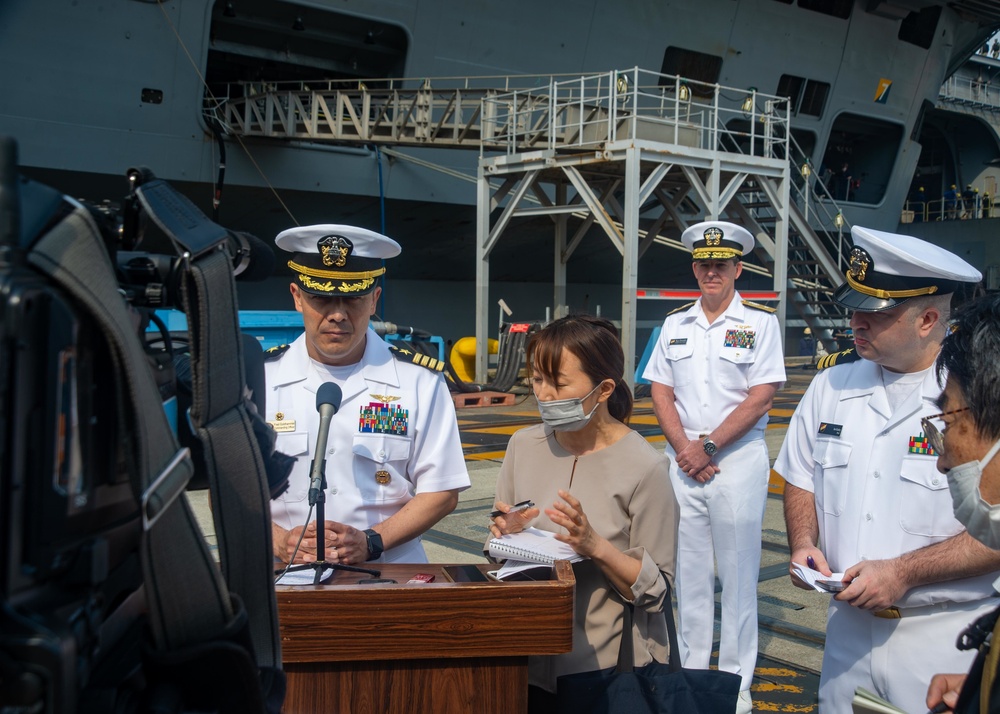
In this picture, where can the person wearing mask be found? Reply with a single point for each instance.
(965, 436)
(602, 489)
(862, 496)
(714, 371)
(394, 462)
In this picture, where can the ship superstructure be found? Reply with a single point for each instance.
(91, 90)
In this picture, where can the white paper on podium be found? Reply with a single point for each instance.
(303, 577)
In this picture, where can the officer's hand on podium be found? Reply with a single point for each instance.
(285, 542)
(347, 544)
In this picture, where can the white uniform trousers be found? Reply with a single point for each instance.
(721, 519)
(893, 658)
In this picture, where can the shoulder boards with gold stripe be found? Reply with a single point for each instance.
(679, 309)
(836, 358)
(404, 354)
(758, 306)
(275, 352)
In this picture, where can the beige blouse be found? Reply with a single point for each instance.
(625, 491)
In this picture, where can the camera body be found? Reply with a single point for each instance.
(77, 632)
(69, 520)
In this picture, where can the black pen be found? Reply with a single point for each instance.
(810, 562)
(516, 507)
(939, 708)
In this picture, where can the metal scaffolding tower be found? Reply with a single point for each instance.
(639, 153)
(640, 132)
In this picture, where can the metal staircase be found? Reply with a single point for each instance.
(818, 242)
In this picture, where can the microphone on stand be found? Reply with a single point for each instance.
(328, 399)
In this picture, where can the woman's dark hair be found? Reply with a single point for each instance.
(595, 343)
(969, 356)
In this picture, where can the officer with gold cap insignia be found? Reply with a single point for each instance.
(863, 496)
(715, 369)
(394, 463)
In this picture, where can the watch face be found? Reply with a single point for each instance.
(710, 447)
(375, 547)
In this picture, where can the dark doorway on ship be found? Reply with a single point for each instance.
(859, 158)
(257, 44)
(957, 150)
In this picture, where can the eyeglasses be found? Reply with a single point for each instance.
(934, 437)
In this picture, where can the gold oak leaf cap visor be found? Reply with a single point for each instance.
(887, 269)
(333, 259)
(717, 240)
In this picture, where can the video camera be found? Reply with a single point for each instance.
(87, 514)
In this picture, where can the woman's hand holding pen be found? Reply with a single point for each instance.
(512, 519)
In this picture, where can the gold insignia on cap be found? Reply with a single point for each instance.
(382, 477)
(329, 287)
(334, 250)
(860, 262)
(713, 236)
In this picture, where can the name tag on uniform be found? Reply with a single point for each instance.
(679, 341)
(830, 429)
(282, 425)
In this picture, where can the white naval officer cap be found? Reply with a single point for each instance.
(717, 240)
(333, 259)
(888, 269)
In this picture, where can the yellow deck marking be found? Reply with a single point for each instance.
(775, 687)
(485, 456)
(775, 672)
(494, 429)
(772, 707)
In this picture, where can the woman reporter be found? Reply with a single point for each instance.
(609, 497)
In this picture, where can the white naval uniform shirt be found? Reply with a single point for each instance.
(712, 367)
(878, 492)
(395, 417)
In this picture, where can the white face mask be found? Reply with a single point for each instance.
(567, 414)
(980, 519)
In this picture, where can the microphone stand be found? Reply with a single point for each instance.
(328, 398)
(321, 564)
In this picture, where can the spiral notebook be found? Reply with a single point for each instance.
(532, 546)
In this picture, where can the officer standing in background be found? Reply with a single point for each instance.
(863, 496)
(714, 372)
(394, 462)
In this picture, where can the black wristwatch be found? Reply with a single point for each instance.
(375, 547)
(709, 446)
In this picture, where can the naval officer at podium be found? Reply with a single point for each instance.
(394, 457)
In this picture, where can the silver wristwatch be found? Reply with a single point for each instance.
(709, 446)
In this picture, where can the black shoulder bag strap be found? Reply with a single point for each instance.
(219, 415)
(626, 654)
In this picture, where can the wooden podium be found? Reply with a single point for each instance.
(437, 648)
